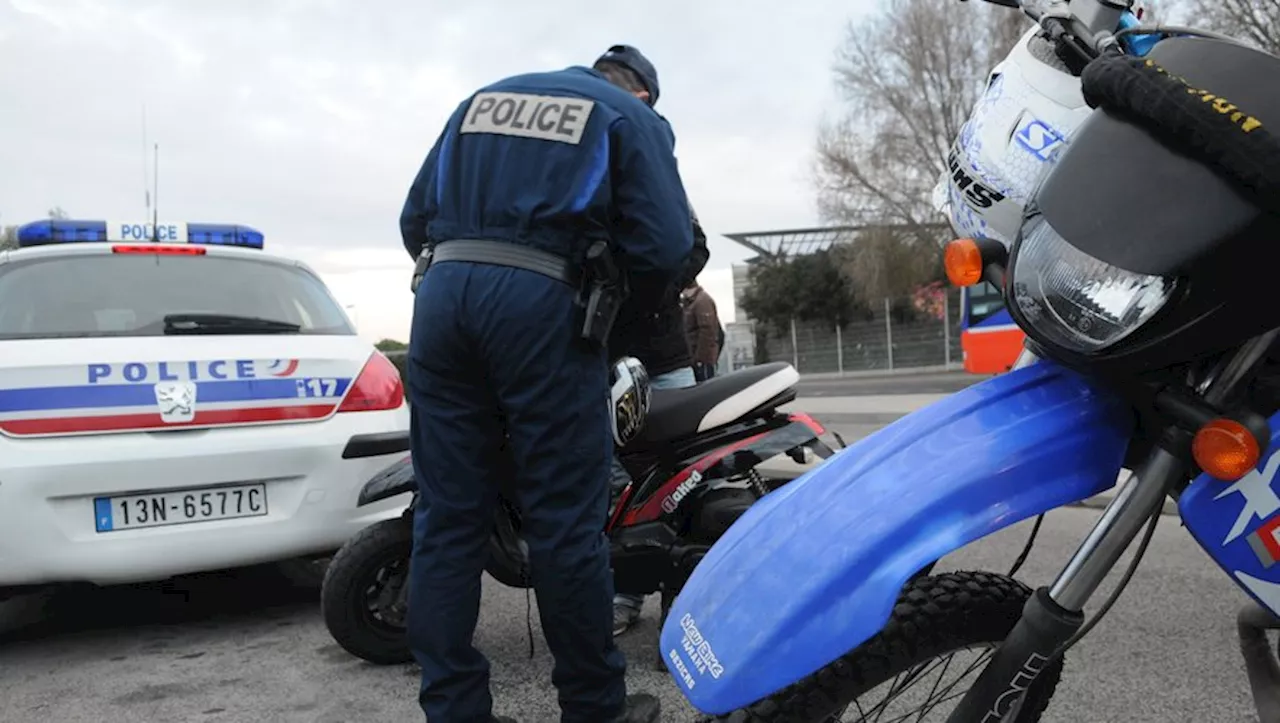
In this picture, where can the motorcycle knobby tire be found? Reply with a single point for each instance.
(932, 617)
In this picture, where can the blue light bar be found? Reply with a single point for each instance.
(57, 231)
(224, 235)
(41, 233)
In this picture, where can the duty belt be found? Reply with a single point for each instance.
(500, 253)
(598, 281)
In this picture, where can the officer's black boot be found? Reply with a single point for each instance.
(640, 708)
(501, 719)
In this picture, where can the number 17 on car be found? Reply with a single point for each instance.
(318, 387)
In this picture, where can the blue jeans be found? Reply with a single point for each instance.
(704, 371)
(677, 379)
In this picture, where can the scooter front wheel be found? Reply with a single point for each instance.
(363, 598)
(909, 671)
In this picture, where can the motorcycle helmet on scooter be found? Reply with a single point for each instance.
(628, 399)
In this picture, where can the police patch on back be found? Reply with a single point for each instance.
(544, 117)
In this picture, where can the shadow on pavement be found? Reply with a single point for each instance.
(212, 597)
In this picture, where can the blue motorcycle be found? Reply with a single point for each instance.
(1142, 273)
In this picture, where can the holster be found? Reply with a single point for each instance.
(602, 293)
(420, 268)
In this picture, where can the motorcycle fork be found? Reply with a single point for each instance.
(1054, 614)
(1260, 663)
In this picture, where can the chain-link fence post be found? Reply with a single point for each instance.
(795, 348)
(888, 330)
(946, 327)
(839, 351)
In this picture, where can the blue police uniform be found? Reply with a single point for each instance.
(499, 378)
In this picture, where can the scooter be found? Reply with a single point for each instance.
(695, 470)
(1141, 273)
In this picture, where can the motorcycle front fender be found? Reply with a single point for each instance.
(813, 570)
(396, 479)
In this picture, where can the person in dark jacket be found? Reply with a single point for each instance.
(658, 340)
(656, 335)
(702, 325)
(528, 173)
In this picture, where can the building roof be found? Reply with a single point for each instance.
(800, 241)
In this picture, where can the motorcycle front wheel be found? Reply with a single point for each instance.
(909, 671)
(362, 598)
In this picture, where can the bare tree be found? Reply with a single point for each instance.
(909, 76)
(9, 233)
(8, 237)
(1253, 21)
(889, 261)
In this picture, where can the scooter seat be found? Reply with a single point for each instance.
(677, 413)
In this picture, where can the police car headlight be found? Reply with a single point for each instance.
(1076, 301)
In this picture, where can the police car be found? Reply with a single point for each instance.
(173, 399)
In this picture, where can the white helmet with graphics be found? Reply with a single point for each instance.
(1028, 113)
(628, 399)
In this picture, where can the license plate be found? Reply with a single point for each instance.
(179, 507)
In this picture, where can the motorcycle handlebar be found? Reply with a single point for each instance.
(1058, 24)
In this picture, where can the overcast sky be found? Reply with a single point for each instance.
(308, 119)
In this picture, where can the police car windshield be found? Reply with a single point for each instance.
(131, 294)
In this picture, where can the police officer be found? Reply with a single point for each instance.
(507, 367)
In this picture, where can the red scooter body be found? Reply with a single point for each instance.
(694, 470)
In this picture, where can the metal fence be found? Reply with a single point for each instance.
(897, 334)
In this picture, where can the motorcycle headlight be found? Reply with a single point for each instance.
(1076, 301)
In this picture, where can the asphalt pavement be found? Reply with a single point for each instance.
(896, 383)
(248, 648)
(245, 646)
(856, 406)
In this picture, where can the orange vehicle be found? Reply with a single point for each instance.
(989, 340)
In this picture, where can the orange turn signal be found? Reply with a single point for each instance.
(1225, 449)
(963, 261)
